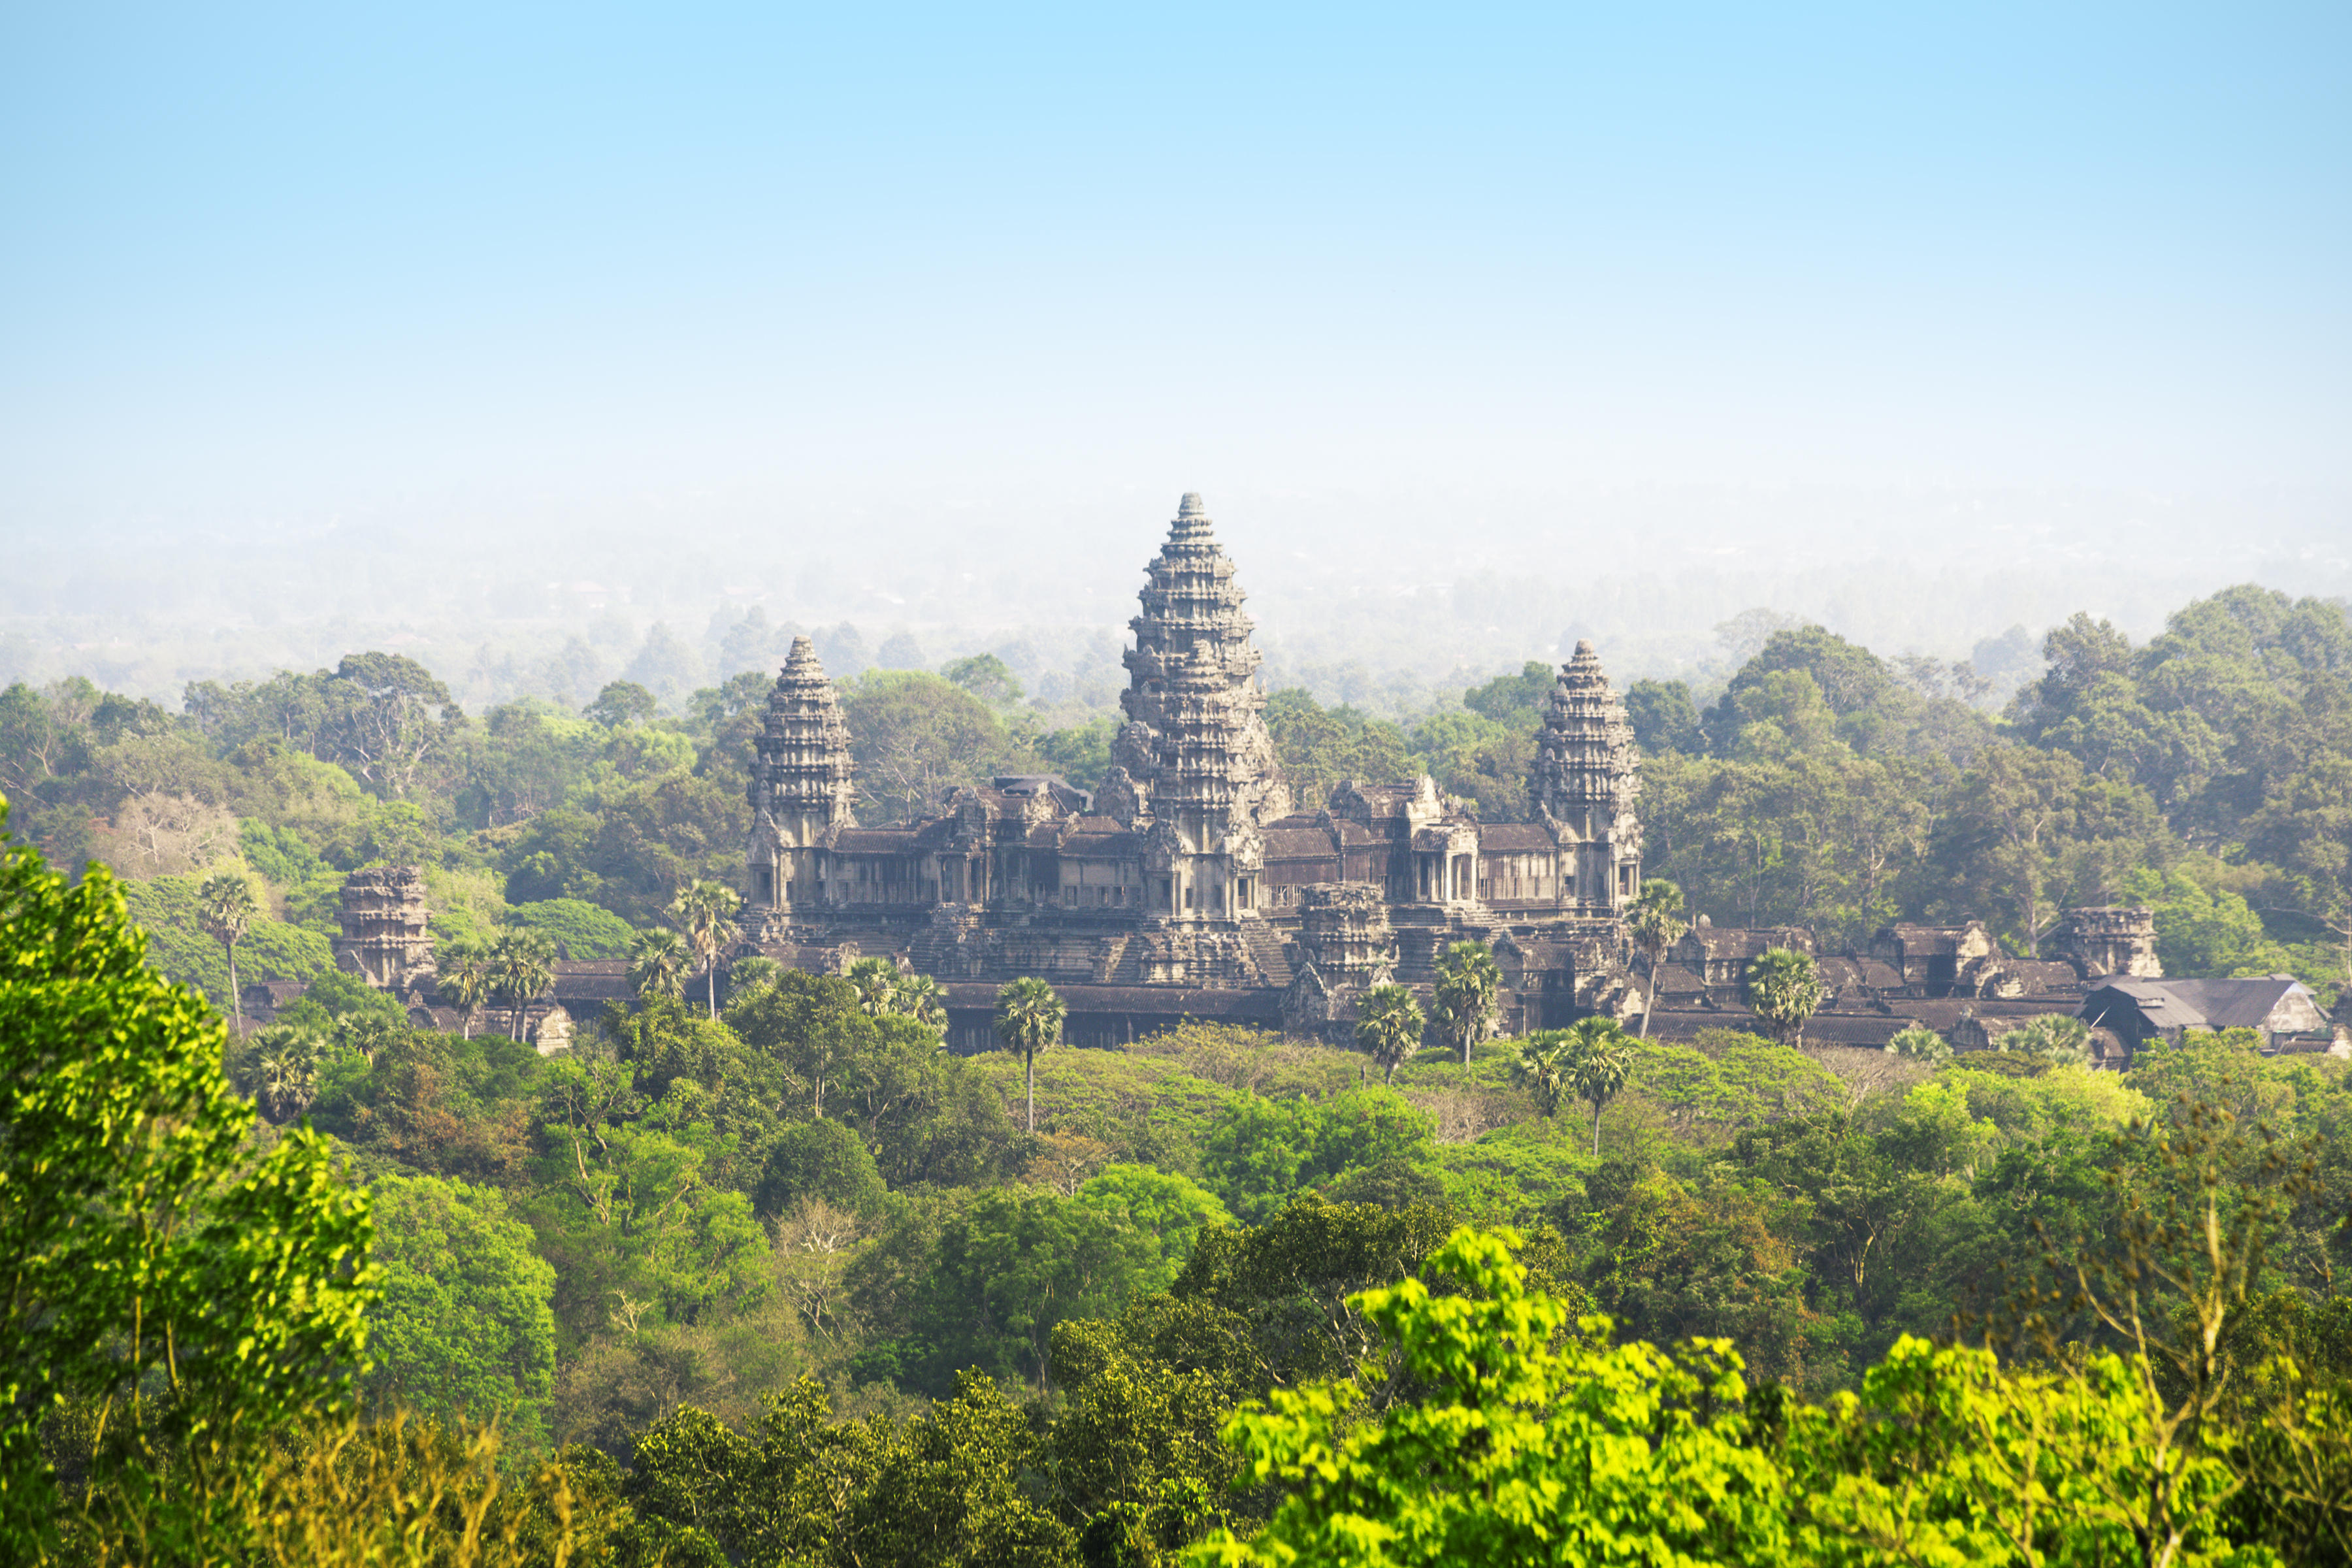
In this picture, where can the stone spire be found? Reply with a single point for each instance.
(803, 785)
(1195, 758)
(1195, 736)
(803, 764)
(1585, 779)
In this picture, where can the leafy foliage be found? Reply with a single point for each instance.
(143, 1240)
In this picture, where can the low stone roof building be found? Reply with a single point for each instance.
(2138, 1011)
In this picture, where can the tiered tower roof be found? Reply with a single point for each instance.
(803, 766)
(1585, 758)
(1195, 729)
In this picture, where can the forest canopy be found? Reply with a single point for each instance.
(2207, 773)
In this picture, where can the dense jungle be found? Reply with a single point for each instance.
(757, 1272)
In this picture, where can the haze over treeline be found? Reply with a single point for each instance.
(1391, 602)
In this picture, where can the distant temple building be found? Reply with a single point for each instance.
(1186, 885)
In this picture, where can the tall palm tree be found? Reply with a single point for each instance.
(1467, 983)
(1655, 921)
(1389, 1023)
(876, 981)
(226, 907)
(1539, 1064)
(522, 969)
(1599, 1058)
(1783, 989)
(919, 997)
(658, 962)
(1029, 1020)
(706, 913)
(465, 969)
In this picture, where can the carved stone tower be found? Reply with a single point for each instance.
(2111, 941)
(1344, 932)
(802, 789)
(1584, 785)
(1194, 767)
(385, 938)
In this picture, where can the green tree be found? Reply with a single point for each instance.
(1523, 1442)
(1261, 1152)
(1029, 1020)
(1467, 983)
(1920, 1043)
(196, 1296)
(1783, 989)
(1321, 748)
(919, 997)
(2202, 930)
(464, 1329)
(1539, 1064)
(756, 973)
(1654, 922)
(876, 981)
(225, 905)
(465, 972)
(1010, 1267)
(823, 1161)
(282, 1072)
(1600, 1060)
(659, 963)
(522, 969)
(1663, 716)
(169, 910)
(913, 734)
(706, 913)
(622, 702)
(2052, 1035)
(986, 677)
(1389, 1024)
(625, 1209)
(389, 716)
(1164, 1204)
(1515, 699)
(2035, 835)
(581, 930)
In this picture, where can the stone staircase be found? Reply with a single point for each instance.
(1267, 951)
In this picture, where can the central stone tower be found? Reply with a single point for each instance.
(1193, 770)
(801, 787)
(1586, 777)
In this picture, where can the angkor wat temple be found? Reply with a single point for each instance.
(1187, 883)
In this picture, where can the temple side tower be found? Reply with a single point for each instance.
(1195, 768)
(386, 937)
(1586, 777)
(2110, 940)
(801, 787)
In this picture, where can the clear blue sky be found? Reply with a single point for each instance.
(276, 261)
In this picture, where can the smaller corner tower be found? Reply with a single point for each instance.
(802, 791)
(1586, 777)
